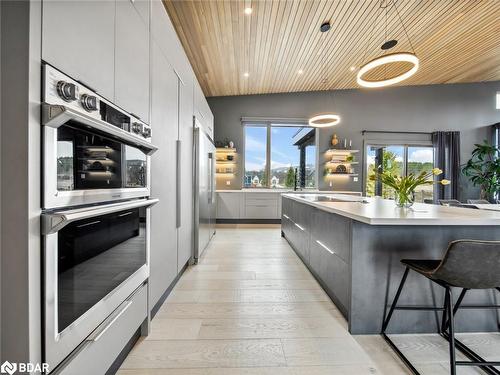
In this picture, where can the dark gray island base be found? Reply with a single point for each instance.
(358, 265)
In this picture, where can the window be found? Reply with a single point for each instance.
(255, 156)
(275, 154)
(400, 160)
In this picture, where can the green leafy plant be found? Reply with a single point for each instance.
(404, 186)
(483, 169)
(290, 177)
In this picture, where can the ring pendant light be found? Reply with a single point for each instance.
(328, 119)
(385, 60)
(391, 58)
(324, 121)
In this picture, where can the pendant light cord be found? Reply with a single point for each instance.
(370, 37)
(402, 24)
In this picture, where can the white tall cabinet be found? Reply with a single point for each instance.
(129, 52)
(78, 37)
(164, 121)
(104, 45)
(132, 57)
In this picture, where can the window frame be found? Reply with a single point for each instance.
(403, 143)
(269, 124)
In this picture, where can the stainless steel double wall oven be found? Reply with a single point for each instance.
(95, 218)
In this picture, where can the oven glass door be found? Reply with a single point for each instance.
(88, 160)
(95, 256)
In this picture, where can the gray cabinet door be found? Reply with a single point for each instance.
(334, 231)
(302, 214)
(132, 60)
(163, 262)
(78, 38)
(185, 244)
(338, 280)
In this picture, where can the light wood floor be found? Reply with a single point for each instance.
(252, 308)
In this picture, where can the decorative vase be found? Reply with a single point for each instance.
(231, 144)
(404, 199)
(335, 140)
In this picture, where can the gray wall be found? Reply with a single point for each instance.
(469, 108)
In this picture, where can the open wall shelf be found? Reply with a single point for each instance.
(336, 160)
(224, 167)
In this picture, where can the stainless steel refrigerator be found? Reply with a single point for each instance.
(204, 190)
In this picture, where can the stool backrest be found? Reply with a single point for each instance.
(471, 264)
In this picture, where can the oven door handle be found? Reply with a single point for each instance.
(52, 222)
(55, 116)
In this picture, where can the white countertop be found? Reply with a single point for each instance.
(283, 191)
(385, 212)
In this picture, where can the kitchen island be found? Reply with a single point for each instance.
(353, 246)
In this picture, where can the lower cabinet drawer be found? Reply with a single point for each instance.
(332, 270)
(338, 279)
(99, 351)
(262, 211)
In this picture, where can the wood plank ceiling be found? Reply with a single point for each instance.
(281, 48)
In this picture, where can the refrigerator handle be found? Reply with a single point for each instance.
(210, 175)
(178, 184)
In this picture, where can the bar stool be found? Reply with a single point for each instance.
(467, 264)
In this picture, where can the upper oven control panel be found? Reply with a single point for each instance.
(59, 89)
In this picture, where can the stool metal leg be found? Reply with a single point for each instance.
(396, 297)
(451, 324)
(455, 309)
(445, 314)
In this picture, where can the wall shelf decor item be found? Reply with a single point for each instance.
(390, 60)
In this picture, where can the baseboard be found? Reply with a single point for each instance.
(248, 221)
(165, 294)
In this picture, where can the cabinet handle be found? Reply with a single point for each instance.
(286, 216)
(87, 224)
(125, 214)
(325, 247)
(178, 184)
(298, 226)
(113, 320)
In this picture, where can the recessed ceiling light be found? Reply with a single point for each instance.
(300, 71)
(248, 11)
(246, 74)
(353, 68)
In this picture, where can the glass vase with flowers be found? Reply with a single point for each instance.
(404, 186)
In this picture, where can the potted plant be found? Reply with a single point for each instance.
(404, 186)
(483, 169)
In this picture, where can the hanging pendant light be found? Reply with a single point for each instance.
(391, 58)
(324, 121)
(327, 119)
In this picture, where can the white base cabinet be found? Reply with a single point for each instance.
(248, 205)
(228, 205)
